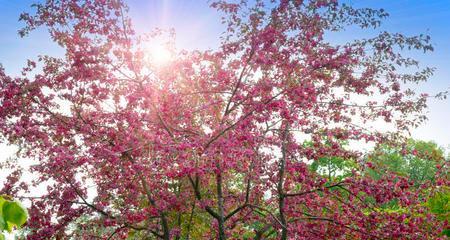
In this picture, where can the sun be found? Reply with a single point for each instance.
(159, 54)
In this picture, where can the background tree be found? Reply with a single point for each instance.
(334, 168)
(422, 163)
(210, 144)
(419, 161)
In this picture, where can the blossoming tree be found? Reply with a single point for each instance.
(211, 144)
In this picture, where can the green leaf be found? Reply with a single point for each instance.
(446, 232)
(14, 214)
(2, 224)
(439, 204)
(2, 220)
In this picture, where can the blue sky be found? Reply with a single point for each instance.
(197, 26)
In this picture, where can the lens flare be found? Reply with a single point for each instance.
(159, 54)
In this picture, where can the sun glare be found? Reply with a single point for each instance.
(159, 54)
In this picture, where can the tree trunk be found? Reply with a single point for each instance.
(221, 219)
(281, 169)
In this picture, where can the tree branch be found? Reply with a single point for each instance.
(313, 190)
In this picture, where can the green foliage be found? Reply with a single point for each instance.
(12, 215)
(417, 160)
(334, 168)
(439, 205)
